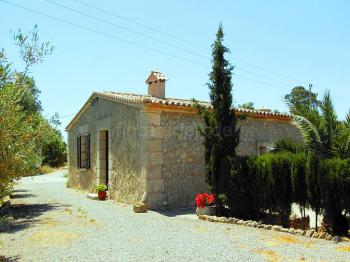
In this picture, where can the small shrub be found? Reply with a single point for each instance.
(46, 169)
(101, 187)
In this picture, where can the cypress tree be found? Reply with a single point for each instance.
(221, 136)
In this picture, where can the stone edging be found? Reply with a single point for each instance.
(250, 223)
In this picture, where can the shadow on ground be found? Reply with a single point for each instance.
(173, 212)
(9, 259)
(25, 215)
(25, 195)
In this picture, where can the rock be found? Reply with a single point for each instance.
(328, 237)
(221, 219)
(254, 224)
(231, 220)
(261, 226)
(211, 218)
(92, 196)
(336, 239)
(202, 217)
(299, 232)
(345, 239)
(246, 223)
(309, 233)
(291, 230)
(276, 228)
(240, 222)
(140, 207)
(315, 235)
(322, 235)
(285, 230)
(268, 227)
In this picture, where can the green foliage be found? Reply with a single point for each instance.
(279, 184)
(22, 126)
(298, 177)
(221, 136)
(299, 96)
(285, 145)
(20, 137)
(101, 187)
(242, 189)
(324, 136)
(261, 183)
(248, 105)
(32, 51)
(314, 194)
(54, 149)
(334, 180)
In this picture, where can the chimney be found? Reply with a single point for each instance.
(156, 84)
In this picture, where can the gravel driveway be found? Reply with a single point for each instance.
(54, 223)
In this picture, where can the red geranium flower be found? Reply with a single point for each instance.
(203, 199)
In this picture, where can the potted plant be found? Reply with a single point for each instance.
(101, 191)
(204, 204)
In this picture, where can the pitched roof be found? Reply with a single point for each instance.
(131, 98)
(138, 99)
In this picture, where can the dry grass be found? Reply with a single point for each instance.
(269, 254)
(45, 238)
(344, 249)
(68, 211)
(46, 169)
(288, 239)
(49, 222)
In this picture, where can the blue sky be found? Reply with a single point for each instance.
(275, 45)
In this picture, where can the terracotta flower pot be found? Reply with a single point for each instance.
(102, 195)
(206, 210)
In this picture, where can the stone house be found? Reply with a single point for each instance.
(149, 145)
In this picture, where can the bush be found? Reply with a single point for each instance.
(279, 185)
(298, 177)
(313, 188)
(260, 183)
(54, 149)
(334, 180)
(242, 189)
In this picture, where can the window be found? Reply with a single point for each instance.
(83, 151)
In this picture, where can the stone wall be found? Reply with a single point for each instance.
(182, 162)
(127, 173)
(263, 132)
(183, 165)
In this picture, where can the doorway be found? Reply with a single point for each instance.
(104, 157)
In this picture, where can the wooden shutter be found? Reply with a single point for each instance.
(78, 151)
(88, 151)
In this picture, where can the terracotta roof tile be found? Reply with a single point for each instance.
(139, 99)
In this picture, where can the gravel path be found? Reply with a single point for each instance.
(54, 223)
